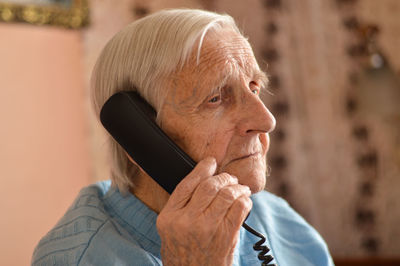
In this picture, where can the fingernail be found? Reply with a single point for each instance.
(210, 160)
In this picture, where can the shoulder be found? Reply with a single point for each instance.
(85, 229)
(67, 241)
(110, 246)
(291, 237)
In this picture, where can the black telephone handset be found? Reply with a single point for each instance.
(130, 120)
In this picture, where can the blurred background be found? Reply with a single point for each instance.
(334, 68)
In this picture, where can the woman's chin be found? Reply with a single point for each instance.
(251, 173)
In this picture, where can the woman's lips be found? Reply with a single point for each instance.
(240, 158)
(254, 154)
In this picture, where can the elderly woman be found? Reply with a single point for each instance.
(199, 73)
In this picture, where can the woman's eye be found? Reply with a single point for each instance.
(254, 88)
(215, 99)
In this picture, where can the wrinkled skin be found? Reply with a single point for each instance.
(214, 113)
(200, 223)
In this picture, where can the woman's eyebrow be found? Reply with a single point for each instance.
(259, 76)
(262, 78)
(220, 81)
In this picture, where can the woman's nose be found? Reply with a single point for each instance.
(255, 116)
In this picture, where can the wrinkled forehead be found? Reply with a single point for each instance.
(225, 47)
(224, 55)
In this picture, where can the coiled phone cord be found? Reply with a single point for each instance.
(266, 259)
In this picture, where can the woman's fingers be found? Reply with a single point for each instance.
(185, 189)
(226, 197)
(208, 189)
(238, 212)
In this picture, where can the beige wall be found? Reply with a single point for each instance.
(43, 133)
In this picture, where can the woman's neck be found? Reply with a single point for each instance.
(149, 192)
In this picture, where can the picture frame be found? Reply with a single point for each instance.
(71, 14)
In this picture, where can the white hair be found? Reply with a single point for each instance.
(141, 57)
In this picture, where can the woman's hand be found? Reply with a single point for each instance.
(200, 223)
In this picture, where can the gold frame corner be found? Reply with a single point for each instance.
(74, 17)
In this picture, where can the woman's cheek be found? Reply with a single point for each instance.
(210, 142)
(264, 140)
(194, 140)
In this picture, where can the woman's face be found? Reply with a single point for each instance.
(213, 109)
